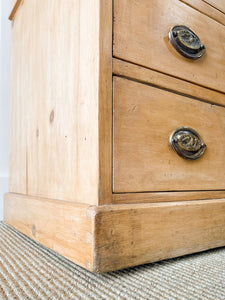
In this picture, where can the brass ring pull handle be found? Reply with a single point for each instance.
(187, 143)
(186, 42)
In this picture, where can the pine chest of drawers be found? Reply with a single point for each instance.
(118, 128)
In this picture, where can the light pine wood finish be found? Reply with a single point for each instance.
(152, 77)
(65, 227)
(141, 233)
(144, 117)
(129, 198)
(20, 91)
(218, 4)
(141, 36)
(61, 78)
(206, 9)
(63, 138)
(105, 103)
(105, 238)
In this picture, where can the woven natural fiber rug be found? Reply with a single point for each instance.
(30, 271)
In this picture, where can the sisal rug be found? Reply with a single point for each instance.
(30, 271)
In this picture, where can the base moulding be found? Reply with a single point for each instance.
(111, 237)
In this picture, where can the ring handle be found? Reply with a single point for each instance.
(186, 42)
(187, 143)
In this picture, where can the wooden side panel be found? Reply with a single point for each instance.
(64, 227)
(141, 31)
(144, 118)
(55, 92)
(145, 75)
(218, 4)
(128, 235)
(207, 9)
(19, 107)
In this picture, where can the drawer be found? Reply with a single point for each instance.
(141, 31)
(143, 119)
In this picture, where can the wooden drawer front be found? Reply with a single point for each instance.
(141, 36)
(218, 4)
(144, 118)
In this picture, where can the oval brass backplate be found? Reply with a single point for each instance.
(187, 143)
(186, 42)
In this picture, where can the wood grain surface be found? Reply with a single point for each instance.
(218, 4)
(144, 118)
(153, 197)
(143, 233)
(105, 103)
(69, 136)
(61, 78)
(110, 237)
(152, 77)
(64, 227)
(141, 36)
(208, 10)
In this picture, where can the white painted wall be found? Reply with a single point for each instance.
(5, 6)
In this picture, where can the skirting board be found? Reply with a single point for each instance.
(112, 237)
